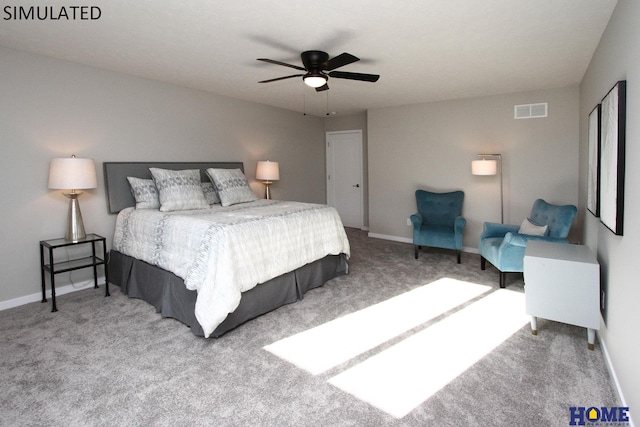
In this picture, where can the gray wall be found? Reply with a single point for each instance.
(617, 58)
(431, 146)
(51, 108)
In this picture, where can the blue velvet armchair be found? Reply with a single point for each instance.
(503, 246)
(438, 222)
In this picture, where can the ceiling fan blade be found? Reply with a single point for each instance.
(271, 61)
(354, 76)
(281, 78)
(340, 61)
(322, 88)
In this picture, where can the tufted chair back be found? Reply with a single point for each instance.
(558, 218)
(439, 208)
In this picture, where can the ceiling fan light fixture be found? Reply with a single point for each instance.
(315, 80)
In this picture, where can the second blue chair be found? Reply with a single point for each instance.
(439, 222)
(504, 245)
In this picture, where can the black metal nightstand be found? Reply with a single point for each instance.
(74, 264)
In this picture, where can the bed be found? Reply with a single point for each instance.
(250, 258)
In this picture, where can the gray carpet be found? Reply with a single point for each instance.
(113, 361)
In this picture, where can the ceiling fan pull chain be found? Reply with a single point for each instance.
(327, 92)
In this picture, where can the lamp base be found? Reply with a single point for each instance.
(75, 227)
(267, 190)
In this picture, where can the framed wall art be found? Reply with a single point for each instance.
(593, 177)
(612, 157)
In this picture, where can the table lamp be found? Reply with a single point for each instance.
(267, 172)
(72, 173)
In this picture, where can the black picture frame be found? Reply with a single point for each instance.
(612, 157)
(593, 172)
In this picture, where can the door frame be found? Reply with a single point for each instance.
(330, 169)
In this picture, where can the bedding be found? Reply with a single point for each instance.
(221, 252)
(231, 186)
(179, 190)
(210, 193)
(145, 193)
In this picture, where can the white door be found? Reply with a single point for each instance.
(344, 176)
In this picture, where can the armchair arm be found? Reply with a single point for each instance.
(458, 229)
(492, 229)
(516, 239)
(416, 220)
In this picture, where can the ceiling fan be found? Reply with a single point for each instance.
(316, 64)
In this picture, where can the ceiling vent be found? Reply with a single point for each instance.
(530, 111)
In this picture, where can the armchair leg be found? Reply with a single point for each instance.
(503, 277)
(458, 252)
(415, 250)
(483, 263)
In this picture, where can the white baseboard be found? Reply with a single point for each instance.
(27, 299)
(393, 238)
(612, 372)
(410, 240)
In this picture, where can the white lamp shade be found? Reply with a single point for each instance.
(315, 81)
(484, 167)
(267, 171)
(71, 173)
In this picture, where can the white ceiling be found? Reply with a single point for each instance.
(424, 50)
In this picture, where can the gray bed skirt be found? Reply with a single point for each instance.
(168, 294)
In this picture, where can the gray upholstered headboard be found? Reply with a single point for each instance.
(115, 177)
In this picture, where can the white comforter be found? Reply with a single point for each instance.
(223, 251)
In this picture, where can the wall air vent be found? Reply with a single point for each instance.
(530, 111)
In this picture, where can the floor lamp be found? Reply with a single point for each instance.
(490, 167)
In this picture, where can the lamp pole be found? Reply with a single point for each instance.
(499, 159)
(501, 189)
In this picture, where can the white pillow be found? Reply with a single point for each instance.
(145, 193)
(179, 190)
(210, 193)
(232, 186)
(532, 229)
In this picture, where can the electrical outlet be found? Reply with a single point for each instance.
(408, 222)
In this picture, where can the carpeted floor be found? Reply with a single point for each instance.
(113, 361)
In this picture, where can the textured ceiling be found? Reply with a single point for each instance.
(424, 50)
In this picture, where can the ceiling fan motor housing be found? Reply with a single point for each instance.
(313, 60)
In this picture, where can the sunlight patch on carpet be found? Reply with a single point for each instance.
(400, 378)
(333, 343)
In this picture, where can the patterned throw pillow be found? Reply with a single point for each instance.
(145, 193)
(210, 193)
(232, 186)
(179, 190)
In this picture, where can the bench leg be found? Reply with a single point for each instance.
(534, 325)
